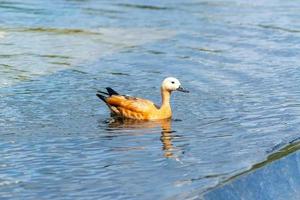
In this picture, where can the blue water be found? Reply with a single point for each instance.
(276, 180)
(239, 59)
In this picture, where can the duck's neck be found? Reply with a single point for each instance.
(165, 106)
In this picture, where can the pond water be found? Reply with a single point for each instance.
(239, 59)
(279, 179)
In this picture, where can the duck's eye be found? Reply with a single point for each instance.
(172, 82)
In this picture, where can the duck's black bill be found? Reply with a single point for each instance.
(180, 89)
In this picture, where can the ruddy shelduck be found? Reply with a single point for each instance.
(124, 106)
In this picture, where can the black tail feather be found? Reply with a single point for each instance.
(103, 98)
(99, 91)
(111, 91)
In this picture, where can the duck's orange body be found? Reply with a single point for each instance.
(137, 108)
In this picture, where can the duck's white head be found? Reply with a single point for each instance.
(172, 84)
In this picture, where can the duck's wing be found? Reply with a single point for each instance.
(111, 91)
(131, 105)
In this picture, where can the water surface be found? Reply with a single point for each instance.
(271, 179)
(239, 59)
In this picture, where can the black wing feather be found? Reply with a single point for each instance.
(111, 91)
(103, 98)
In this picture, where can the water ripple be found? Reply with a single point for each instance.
(57, 139)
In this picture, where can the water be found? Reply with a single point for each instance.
(278, 180)
(239, 59)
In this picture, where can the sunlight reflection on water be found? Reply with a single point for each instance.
(47, 50)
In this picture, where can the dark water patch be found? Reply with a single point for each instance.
(279, 28)
(55, 56)
(6, 44)
(22, 8)
(61, 63)
(58, 31)
(144, 7)
(156, 52)
(207, 50)
(21, 77)
(102, 10)
(79, 71)
(32, 54)
(282, 144)
(8, 68)
(9, 55)
(119, 74)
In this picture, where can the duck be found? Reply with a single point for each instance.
(124, 106)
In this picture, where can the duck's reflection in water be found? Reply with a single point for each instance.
(166, 131)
